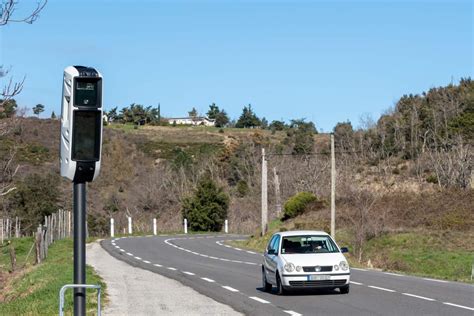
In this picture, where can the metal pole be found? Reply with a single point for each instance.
(264, 194)
(333, 190)
(79, 248)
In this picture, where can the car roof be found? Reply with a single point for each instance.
(301, 232)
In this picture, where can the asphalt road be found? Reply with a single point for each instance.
(233, 276)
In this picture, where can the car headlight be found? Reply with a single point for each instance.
(336, 267)
(289, 267)
(344, 266)
(298, 268)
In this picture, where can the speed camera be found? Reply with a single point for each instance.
(81, 124)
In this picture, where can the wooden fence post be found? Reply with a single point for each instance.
(38, 245)
(12, 256)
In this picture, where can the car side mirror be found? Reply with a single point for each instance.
(344, 250)
(271, 252)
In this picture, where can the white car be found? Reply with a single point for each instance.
(302, 260)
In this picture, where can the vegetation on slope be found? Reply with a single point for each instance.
(35, 290)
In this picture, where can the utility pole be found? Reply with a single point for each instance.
(276, 182)
(333, 189)
(264, 194)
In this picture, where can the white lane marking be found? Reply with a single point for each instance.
(227, 246)
(395, 274)
(171, 268)
(293, 313)
(157, 265)
(206, 256)
(381, 288)
(258, 299)
(238, 249)
(208, 280)
(421, 297)
(460, 306)
(122, 250)
(146, 261)
(359, 269)
(138, 258)
(357, 283)
(130, 254)
(251, 252)
(117, 247)
(188, 273)
(230, 289)
(434, 280)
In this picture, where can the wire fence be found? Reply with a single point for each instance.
(55, 227)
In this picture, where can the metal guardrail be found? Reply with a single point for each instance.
(84, 286)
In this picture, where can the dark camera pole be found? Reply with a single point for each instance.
(79, 247)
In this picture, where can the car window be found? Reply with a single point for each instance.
(308, 244)
(275, 243)
(270, 243)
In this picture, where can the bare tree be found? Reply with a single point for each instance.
(8, 9)
(7, 15)
(10, 89)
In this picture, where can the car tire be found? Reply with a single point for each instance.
(344, 289)
(267, 287)
(280, 288)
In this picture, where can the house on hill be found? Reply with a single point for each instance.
(198, 120)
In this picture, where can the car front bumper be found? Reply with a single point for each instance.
(334, 280)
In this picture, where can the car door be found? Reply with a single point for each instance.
(273, 259)
(267, 260)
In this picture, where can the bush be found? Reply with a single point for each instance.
(35, 197)
(432, 178)
(206, 210)
(242, 188)
(297, 204)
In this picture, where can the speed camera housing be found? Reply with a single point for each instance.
(81, 124)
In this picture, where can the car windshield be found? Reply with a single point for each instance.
(308, 244)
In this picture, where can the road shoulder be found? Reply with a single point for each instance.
(135, 291)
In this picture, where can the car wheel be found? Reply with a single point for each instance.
(280, 289)
(267, 287)
(344, 289)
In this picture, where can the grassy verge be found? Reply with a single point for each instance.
(447, 255)
(22, 248)
(35, 290)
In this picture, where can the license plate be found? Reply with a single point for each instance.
(318, 277)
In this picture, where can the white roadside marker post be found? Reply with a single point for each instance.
(112, 228)
(185, 226)
(129, 225)
(226, 226)
(154, 226)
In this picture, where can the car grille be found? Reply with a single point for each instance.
(321, 283)
(313, 269)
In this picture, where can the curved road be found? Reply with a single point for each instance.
(233, 276)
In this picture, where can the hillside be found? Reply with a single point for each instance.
(392, 177)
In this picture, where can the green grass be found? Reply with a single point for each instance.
(35, 291)
(445, 255)
(22, 247)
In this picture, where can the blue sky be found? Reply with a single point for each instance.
(326, 61)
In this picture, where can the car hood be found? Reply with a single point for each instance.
(310, 260)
